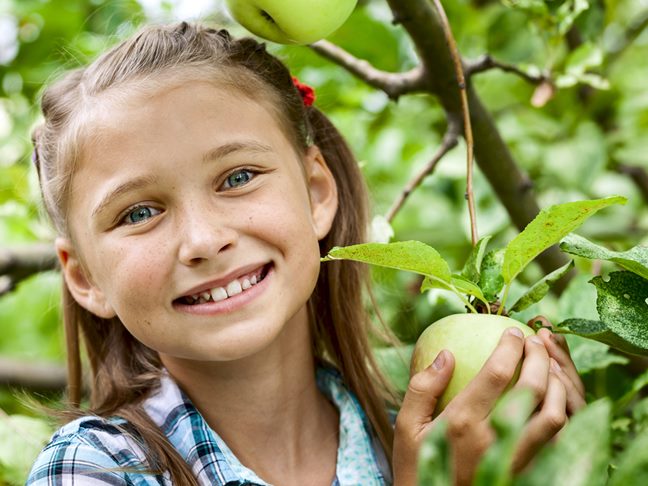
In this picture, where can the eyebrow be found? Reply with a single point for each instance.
(211, 155)
(239, 146)
(122, 189)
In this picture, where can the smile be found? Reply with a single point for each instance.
(234, 287)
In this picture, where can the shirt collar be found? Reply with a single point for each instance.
(360, 458)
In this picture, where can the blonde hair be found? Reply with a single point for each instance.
(124, 371)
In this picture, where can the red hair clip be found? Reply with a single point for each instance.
(307, 93)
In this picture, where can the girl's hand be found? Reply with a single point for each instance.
(566, 370)
(468, 414)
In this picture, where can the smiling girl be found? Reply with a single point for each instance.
(194, 188)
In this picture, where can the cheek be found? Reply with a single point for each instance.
(131, 274)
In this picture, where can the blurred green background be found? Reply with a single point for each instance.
(588, 140)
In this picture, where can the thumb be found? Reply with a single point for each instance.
(424, 390)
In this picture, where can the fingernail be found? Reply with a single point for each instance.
(439, 361)
(515, 332)
(535, 340)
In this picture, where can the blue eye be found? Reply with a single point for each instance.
(140, 214)
(238, 179)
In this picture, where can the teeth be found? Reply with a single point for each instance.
(221, 293)
(234, 287)
(218, 294)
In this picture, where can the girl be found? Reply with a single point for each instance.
(194, 188)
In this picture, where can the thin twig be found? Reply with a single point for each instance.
(393, 84)
(486, 63)
(468, 135)
(450, 140)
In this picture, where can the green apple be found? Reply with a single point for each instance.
(471, 338)
(291, 21)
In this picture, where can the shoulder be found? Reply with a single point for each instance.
(101, 450)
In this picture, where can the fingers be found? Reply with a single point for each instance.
(415, 415)
(558, 350)
(535, 368)
(575, 400)
(423, 392)
(544, 425)
(481, 394)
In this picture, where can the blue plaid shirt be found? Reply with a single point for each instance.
(93, 450)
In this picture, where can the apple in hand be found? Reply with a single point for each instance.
(291, 21)
(471, 338)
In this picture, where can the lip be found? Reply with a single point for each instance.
(223, 281)
(230, 304)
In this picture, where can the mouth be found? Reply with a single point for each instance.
(236, 286)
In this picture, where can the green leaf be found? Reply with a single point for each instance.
(435, 460)
(581, 455)
(461, 284)
(540, 288)
(472, 268)
(548, 228)
(622, 304)
(598, 331)
(413, 256)
(589, 355)
(638, 384)
(635, 259)
(491, 280)
(508, 420)
(21, 440)
(632, 466)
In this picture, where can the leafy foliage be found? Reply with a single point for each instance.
(577, 144)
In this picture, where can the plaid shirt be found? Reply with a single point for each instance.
(96, 451)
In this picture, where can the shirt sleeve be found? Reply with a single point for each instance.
(71, 462)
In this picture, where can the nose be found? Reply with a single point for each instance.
(203, 235)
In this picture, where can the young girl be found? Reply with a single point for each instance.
(194, 188)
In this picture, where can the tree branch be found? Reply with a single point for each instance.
(638, 175)
(16, 264)
(393, 84)
(32, 376)
(511, 185)
(487, 63)
(450, 140)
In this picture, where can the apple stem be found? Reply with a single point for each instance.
(504, 296)
(468, 135)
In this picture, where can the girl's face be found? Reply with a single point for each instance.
(196, 192)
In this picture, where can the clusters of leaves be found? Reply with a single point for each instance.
(583, 455)
(571, 148)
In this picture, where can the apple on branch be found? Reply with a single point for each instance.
(291, 21)
(483, 286)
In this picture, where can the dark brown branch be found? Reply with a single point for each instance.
(487, 63)
(511, 185)
(32, 376)
(393, 84)
(638, 175)
(18, 263)
(450, 140)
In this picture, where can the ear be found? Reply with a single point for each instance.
(84, 291)
(323, 191)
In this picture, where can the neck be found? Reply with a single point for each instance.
(266, 403)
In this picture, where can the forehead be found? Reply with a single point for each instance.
(141, 117)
